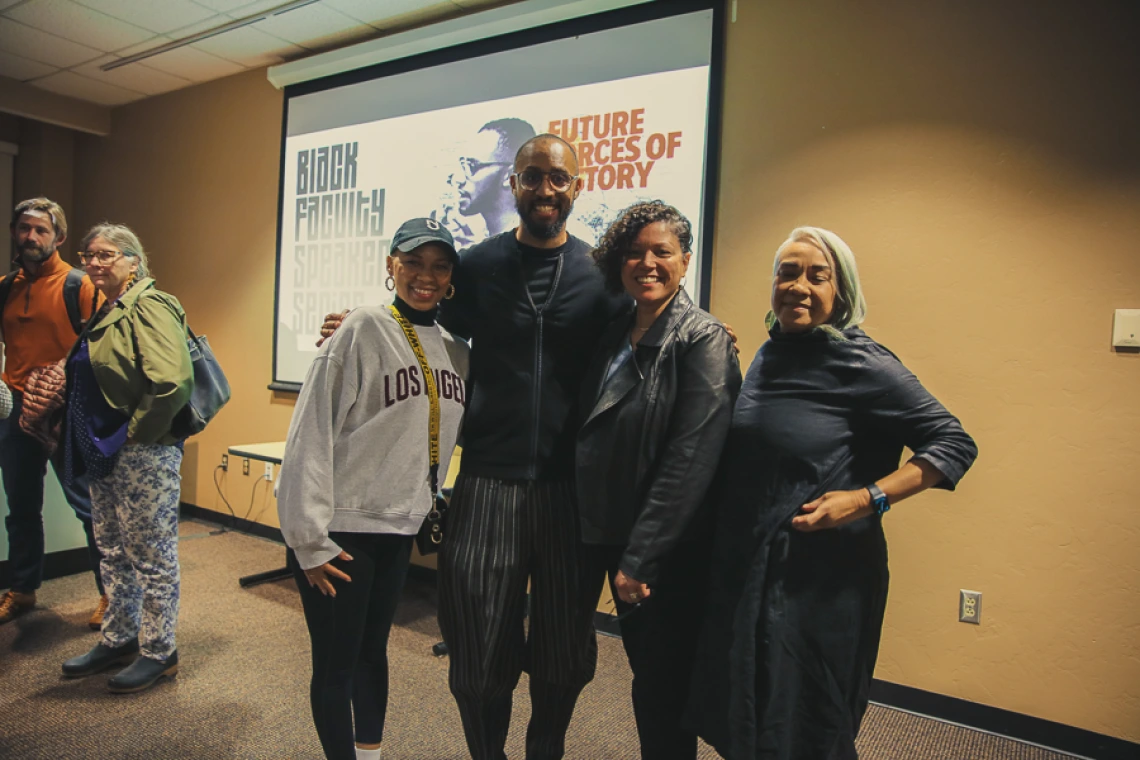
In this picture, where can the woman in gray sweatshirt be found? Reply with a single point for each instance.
(357, 480)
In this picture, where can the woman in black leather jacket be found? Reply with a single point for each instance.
(657, 402)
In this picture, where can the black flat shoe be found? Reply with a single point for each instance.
(100, 658)
(142, 674)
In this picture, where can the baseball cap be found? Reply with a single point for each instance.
(415, 232)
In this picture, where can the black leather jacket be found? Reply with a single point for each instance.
(653, 433)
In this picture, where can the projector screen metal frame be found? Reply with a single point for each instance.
(614, 19)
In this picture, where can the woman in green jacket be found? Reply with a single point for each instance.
(127, 376)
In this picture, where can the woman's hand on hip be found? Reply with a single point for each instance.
(833, 509)
(321, 576)
(629, 590)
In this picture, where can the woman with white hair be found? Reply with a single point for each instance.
(128, 375)
(810, 468)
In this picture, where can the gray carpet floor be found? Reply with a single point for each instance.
(242, 691)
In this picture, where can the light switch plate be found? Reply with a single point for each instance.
(1126, 328)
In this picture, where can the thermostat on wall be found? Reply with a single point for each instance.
(1126, 328)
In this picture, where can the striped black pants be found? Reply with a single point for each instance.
(500, 534)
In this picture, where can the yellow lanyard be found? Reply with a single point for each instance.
(433, 396)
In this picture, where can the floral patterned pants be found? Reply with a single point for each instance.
(135, 515)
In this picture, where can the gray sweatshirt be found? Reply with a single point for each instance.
(356, 458)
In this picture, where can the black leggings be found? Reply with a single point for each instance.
(349, 633)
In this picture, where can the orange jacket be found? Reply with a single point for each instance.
(36, 327)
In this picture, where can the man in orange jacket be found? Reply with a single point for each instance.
(45, 302)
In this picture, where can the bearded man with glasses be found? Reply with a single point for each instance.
(534, 306)
(44, 304)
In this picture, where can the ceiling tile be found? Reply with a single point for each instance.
(150, 44)
(306, 24)
(134, 76)
(161, 39)
(249, 47)
(75, 86)
(213, 22)
(372, 12)
(241, 8)
(193, 64)
(78, 23)
(342, 38)
(26, 42)
(18, 67)
(483, 5)
(420, 17)
(161, 17)
(22, 68)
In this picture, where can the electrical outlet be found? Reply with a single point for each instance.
(969, 606)
(269, 471)
(225, 462)
(245, 467)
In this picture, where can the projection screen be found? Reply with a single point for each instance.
(360, 157)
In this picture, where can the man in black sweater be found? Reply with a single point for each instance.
(534, 306)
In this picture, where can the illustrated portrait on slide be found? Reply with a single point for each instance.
(349, 175)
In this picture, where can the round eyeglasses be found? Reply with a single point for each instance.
(560, 180)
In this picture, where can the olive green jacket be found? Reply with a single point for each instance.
(154, 384)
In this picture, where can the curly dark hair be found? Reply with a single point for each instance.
(617, 240)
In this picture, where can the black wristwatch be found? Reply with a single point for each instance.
(879, 501)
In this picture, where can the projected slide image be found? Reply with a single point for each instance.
(347, 189)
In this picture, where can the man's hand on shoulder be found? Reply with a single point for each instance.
(332, 324)
(727, 328)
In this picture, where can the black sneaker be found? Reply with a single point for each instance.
(100, 658)
(143, 673)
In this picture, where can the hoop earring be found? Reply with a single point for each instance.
(450, 292)
(390, 283)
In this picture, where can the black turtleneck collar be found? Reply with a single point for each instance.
(529, 251)
(415, 316)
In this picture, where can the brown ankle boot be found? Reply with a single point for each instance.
(96, 621)
(14, 603)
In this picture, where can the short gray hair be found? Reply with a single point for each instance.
(123, 238)
(850, 306)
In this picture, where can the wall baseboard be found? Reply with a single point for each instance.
(231, 523)
(1075, 741)
(1026, 728)
(607, 624)
(56, 565)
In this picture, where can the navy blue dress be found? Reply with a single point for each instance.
(789, 643)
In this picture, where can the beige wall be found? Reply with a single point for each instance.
(983, 161)
(45, 166)
(983, 164)
(195, 174)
